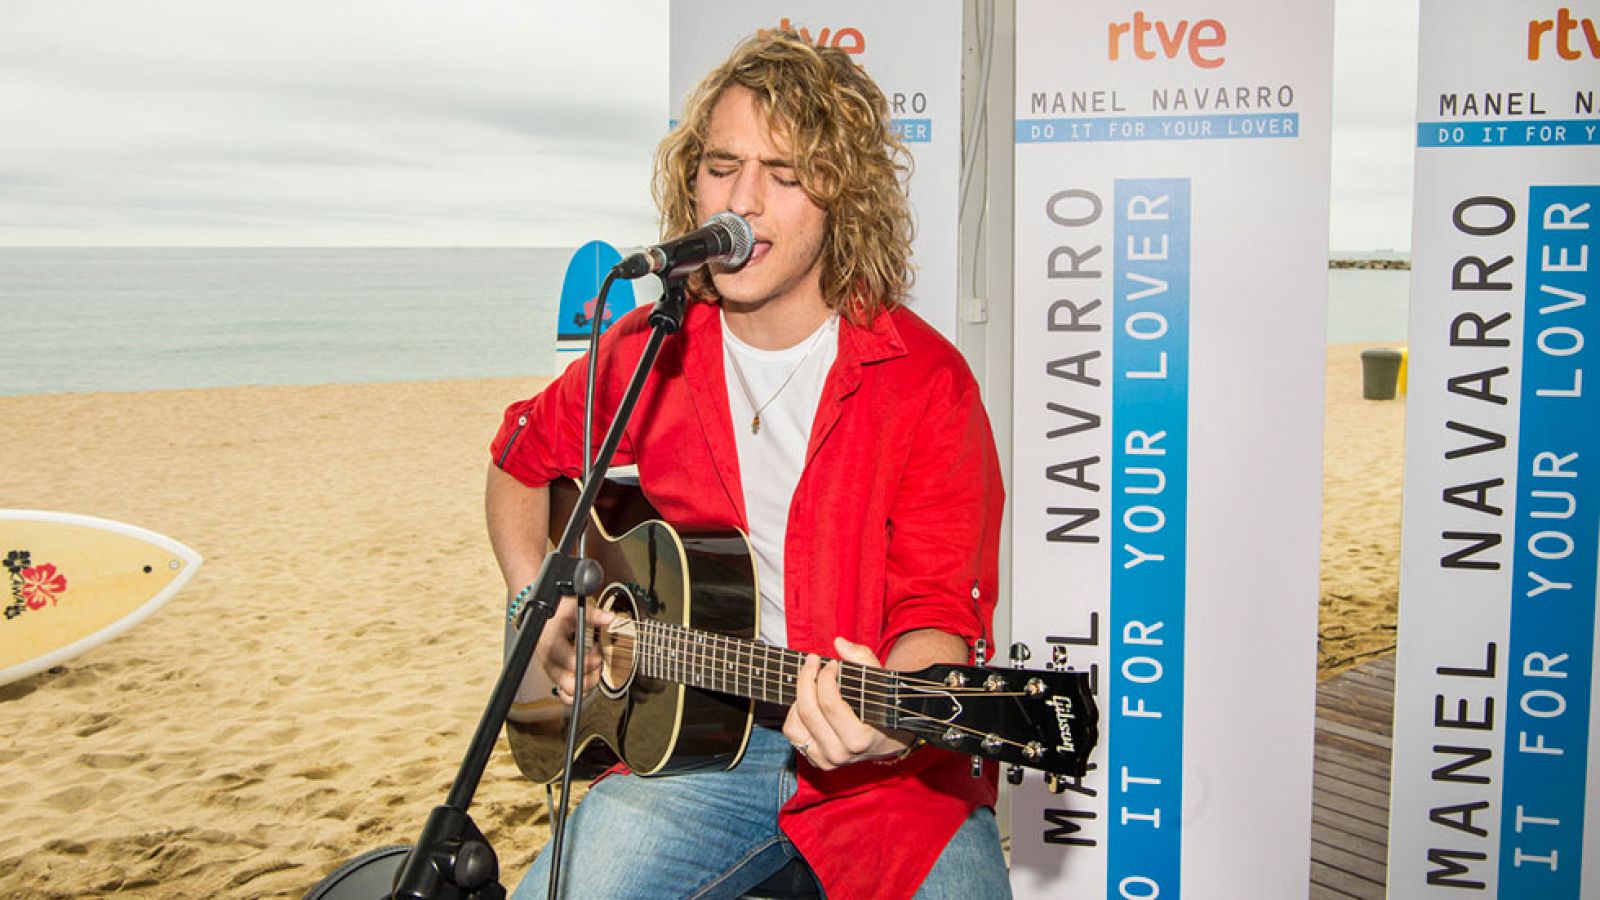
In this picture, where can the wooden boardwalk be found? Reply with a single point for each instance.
(1350, 799)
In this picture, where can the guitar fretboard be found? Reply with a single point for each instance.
(755, 670)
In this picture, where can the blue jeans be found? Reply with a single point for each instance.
(715, 834)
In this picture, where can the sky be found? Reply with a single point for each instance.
(428, 123)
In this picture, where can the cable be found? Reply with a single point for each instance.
(558, 816)
(980, 109)
(979, 128)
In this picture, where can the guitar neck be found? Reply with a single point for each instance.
(755, 670)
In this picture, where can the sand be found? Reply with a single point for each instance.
(1363, 452)
(309, 695)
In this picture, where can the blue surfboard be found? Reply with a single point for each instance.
(586, 271)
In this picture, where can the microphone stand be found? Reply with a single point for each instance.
(452, 859)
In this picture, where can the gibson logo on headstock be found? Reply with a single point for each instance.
(1063, 708)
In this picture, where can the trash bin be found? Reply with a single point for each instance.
(1380, 371)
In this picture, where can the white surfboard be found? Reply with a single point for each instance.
(69, 583)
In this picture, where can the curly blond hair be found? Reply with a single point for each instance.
(845, 154)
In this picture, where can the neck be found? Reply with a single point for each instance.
(766, 327)
(754, 670)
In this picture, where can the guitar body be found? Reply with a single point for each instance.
(705, 582)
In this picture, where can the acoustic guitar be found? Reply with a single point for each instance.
(682, 669)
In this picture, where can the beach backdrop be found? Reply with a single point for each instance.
(315, 424)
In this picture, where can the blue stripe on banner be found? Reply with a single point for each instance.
(1150, 428)
(1158, 128)
(1510, 133)
(913, 131)
(1558, 535)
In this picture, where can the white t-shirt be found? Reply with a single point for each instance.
(786, 385)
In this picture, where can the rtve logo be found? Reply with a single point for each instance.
(1202, 35)
(850, 40)
(1563, 25)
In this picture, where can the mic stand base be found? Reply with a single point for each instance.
(452, 861)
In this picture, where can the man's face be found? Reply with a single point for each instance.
(745, 169)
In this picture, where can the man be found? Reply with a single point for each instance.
(801, 403)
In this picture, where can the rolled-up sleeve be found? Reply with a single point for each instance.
(540, 439)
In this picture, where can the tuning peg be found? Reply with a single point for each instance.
(977, 767)
(1020, 653)
(980, 651)
(994, 684)
(1055, 783)
(1058, 656)
(1014, 774)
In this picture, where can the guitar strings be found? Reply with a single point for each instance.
(858, 692)
(790, 661)
(698, 653)
(874, 702)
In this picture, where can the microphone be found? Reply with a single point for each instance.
(725, 238)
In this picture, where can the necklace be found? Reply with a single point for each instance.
(733, 357)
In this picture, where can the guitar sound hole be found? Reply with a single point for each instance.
(617, 641)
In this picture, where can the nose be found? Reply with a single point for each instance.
(747, 195)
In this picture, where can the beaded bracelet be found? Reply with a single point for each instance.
(516, 603)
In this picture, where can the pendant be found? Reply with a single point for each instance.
(755, 424)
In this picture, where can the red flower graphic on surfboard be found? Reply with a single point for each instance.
(40, 584)
(32, 586)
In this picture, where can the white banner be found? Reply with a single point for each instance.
(912, 48)
(1493, 786)
(1171, 275)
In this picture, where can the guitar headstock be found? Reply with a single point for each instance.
(1041, 720)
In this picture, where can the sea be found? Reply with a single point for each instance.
(137, 319)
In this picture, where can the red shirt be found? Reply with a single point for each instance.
(894, 526)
